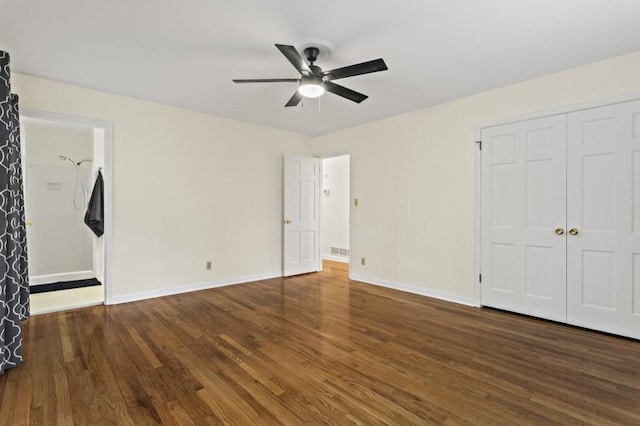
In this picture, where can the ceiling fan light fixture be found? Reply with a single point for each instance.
(311, 90)
(311, 87)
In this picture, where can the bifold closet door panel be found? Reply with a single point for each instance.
(603, 209)
(523, 213)
(603, 181)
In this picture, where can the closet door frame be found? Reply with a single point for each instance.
(478, 169)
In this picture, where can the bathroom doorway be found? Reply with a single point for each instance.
(61, 160)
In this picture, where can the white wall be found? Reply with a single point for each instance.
(335, 206)
(188, 187)
(414, 176)
(58, 241)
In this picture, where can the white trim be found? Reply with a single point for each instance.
(415, 290)
(64, 276)
(66, 308)
(320, 202)
(338, 153)
(477, 287)
(107, 174)
(341, 259)
(143, 295)
(561, 110)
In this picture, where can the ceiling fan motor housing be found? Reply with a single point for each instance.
(312, 54)
(315, 69)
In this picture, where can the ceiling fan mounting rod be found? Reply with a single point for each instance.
(312, 54)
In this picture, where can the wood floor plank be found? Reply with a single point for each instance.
(44, 350)
(179, 414)
(65, 338)
(316, 349)
(64, 412)
(10, 394)
(142, 346)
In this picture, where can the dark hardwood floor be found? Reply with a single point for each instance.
(315, 349)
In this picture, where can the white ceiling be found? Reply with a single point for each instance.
(185, 53)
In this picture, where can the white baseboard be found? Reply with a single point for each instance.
(65, 276)
(64, 308)
(469, 301)
(335, 258)
(133, 297)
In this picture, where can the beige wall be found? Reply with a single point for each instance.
(414, 177)
(188, 187)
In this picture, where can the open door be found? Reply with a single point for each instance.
(301, 229)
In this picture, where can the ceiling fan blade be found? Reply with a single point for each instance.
(357, 69)
(295, 100)
(352, 95)
(294, 57)
(268, 80)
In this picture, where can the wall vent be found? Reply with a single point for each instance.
(340, 251)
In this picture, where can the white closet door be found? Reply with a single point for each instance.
(523, 260)
(603, 181)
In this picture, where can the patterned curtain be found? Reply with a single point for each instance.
(14, 277)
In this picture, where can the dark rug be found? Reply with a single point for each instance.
(63, 285)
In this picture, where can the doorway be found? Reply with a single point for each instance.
(335, 214)
(61, 158)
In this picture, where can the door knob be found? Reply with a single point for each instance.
(559, 231)
(287, 221)
(573, 231)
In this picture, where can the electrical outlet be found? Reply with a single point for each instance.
(363, 261)
(209, 265)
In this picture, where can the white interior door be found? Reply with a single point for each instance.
(603, 275)
(301, 215)
(523, 259)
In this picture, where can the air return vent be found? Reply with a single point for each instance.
(340, 251)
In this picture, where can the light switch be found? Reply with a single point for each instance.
(355, 202)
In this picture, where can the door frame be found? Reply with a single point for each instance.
(478, 170)
(333, 154)
(107, 172)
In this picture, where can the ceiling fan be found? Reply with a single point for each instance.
(314, 81)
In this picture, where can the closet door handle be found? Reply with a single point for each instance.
(559, 231)
(573, 231)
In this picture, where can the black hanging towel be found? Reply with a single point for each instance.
(94, 218)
